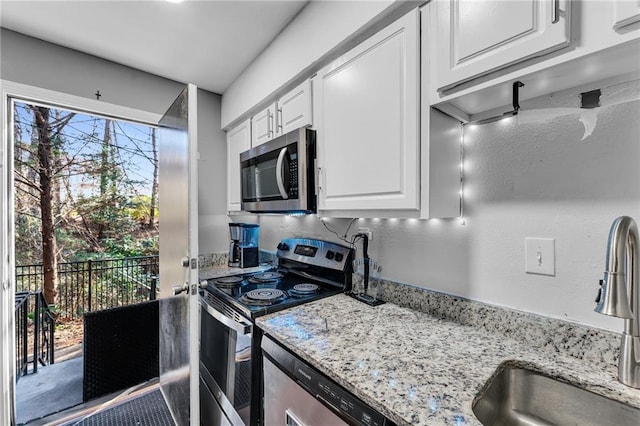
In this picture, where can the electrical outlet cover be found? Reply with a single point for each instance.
(540, 256)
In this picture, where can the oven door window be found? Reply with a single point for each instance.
(226, 354)
(263, 180)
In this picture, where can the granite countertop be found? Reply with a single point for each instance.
(415, 368)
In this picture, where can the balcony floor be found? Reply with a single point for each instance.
(52, 389)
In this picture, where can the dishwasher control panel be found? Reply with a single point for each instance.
(338, 398)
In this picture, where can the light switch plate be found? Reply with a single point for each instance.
(540, 256)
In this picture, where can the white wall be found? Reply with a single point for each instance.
(532, 176)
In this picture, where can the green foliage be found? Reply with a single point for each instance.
(28, 240)
(139, 208)
(70, 243)
(130, 247)
(53, 309)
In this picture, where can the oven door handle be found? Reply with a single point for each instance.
(242, 327)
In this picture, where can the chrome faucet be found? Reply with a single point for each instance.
(619, 295)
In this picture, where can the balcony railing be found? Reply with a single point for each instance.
(22, 333)
(94, 285)
(35, 327)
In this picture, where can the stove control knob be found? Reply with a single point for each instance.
(330, 254)
(283, 246)
(339, 257)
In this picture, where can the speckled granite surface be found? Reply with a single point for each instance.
(424, 369)
(213, 260)
(217, 260)
(214, 265)
(595, 345)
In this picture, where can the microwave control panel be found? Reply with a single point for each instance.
(293, 176)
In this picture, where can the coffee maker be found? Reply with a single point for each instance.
(234, 245)
(244, 245)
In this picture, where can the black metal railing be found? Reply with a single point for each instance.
(95, 284)
(22, 333)
(43, 329)
(35, 328)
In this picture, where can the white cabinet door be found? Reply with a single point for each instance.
(238, 140)
(263, 126)
(294, 109)
(476, 37)
(367, 112)
(290, 112)
(625, 12)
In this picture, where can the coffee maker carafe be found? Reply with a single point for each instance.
(244, 244)
(234, 245)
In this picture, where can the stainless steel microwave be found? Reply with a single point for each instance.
(279, 176)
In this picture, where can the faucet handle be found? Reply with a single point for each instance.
(599, 291)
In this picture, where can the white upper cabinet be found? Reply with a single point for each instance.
(263, 126)
(366, 106)
(476, 37)
(294, 109)
(290, 112)
(238, 140)
(625, 12)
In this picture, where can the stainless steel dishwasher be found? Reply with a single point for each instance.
(296, 394)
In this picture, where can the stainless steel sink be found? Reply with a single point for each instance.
(522, 397)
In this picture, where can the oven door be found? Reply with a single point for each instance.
(225, 363)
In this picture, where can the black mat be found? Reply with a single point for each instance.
(146, 410)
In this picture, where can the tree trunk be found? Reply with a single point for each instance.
(105, 174)
(49, 246)
(113, 165)
(104, 166)
(55, 183)
(154, 184)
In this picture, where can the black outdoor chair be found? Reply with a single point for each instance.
(120, 348)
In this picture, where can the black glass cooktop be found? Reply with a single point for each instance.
(265, 292)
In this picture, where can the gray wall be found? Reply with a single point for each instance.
(38, 63)
(212, 176)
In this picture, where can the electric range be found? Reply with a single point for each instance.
(230, 361)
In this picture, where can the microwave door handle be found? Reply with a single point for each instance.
(279, 173)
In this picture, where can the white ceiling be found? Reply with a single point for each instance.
(207, 43)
